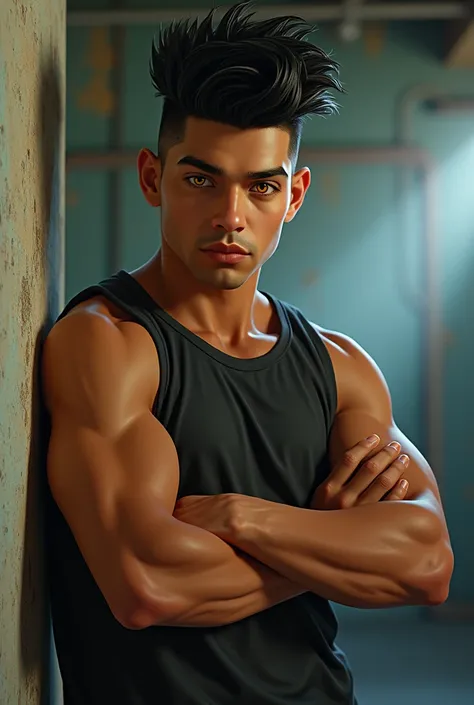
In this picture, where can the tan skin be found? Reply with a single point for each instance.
(113, 468)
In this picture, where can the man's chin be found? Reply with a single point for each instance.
(224, 279)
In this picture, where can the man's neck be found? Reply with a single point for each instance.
(233, 315)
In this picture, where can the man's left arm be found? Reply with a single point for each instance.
(373, 555)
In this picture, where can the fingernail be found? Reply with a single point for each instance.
(394, 445)
(373, 439)
(404, 484)
(404, 459)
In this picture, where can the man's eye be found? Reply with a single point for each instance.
(264, 189)
(198, 181)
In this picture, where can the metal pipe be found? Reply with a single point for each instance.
(373, 12)
(451, 105)
(410, 156)
(432, 96)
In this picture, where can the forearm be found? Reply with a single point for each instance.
(210, 609)
(205, 581)
(376, 555)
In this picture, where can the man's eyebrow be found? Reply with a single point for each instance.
(200, 164)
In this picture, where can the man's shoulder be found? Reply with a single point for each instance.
(357, 374)
(339, 345)
(352, 364)
(94, 308)
(95, 320)
(96, 334)
(88, 324)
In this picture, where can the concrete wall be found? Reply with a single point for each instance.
(32, 89)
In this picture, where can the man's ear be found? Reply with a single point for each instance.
(149, 176)
(299, 185)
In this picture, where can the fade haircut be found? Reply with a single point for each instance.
(241, 72)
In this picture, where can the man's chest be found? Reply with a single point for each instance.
(237, 437)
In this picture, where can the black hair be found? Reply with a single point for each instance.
(241, 72)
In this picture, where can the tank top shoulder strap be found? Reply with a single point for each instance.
(308, 336)
(122, 290)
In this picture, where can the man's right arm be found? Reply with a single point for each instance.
(113, 471)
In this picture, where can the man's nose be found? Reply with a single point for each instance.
(230, 215)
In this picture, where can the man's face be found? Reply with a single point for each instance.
(222, 186)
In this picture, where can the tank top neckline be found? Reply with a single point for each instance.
(244, 364)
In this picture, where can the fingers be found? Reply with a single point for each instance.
(379, 474)
(351, 460)
(399, 492)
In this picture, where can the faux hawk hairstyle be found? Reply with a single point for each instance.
(241, 72)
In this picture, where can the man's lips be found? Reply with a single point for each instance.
(225, 254)
(226, 249)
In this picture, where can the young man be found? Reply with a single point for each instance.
(211, 486)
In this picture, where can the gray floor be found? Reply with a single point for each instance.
(411, 663)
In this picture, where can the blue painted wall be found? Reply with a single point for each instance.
(349, 260)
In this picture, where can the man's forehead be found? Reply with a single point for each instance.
(225, 147)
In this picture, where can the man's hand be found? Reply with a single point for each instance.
(354, 482)
(224, 515)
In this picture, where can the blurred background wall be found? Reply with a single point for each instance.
(383, 249)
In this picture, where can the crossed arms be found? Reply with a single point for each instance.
(113, 471)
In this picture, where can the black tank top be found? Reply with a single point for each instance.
(253, 426)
